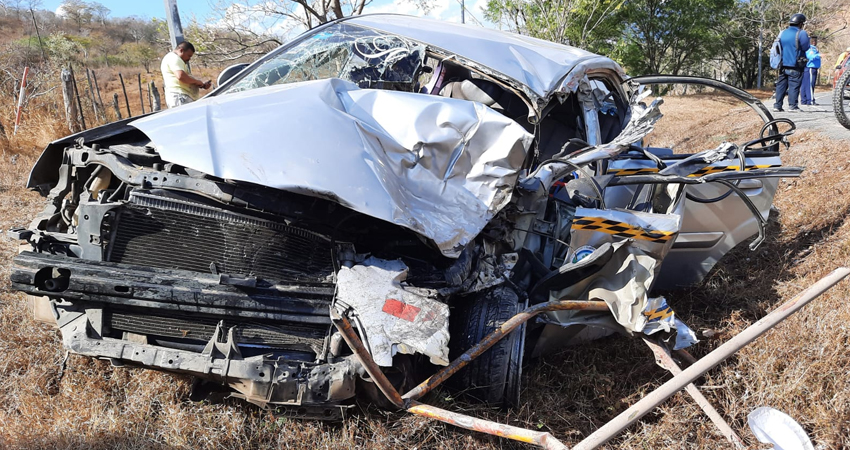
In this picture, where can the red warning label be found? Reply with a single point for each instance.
(401, 310)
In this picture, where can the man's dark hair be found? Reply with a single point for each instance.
(186, 45)
(813, 37)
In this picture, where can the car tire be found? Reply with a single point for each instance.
(493, 377)
(839, 103)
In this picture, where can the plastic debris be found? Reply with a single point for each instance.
(771, 426)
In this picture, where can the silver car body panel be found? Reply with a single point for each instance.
(709, 230)
(441, 167)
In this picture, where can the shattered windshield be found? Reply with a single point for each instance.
(366, 57)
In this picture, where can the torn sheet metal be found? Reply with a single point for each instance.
(439, 166)
(623, 283)
(685, 336)
(654, 233)
(657, 316)
(545, 68)
(394, 318)
(641, 123)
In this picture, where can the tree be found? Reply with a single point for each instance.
(61, 48)
(140, 53)
(245, 29)
(100, 12)
(75, 11)
(310, 13)
(590, 24)
(671, 36)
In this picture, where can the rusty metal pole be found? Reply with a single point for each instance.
(126, 100)
(539, 438)
(675, 384)
(663, 358)
(345, 329)
(491, 339)
(409, 402)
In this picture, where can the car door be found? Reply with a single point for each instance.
(715, 220)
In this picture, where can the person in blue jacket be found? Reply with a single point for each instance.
(795, 43)
(810, 76)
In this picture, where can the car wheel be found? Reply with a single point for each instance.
(841, 99)
(493, 377)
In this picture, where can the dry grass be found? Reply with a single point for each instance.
(801, 367)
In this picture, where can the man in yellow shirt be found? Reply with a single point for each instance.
(180, 86)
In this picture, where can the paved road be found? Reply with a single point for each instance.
(819, 118)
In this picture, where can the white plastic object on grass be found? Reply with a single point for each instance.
(771, 426)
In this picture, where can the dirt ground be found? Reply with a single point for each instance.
(801, 367)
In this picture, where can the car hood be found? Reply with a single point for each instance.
(441, 167)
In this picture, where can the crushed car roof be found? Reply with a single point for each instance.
(544, 67)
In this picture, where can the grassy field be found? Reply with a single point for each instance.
(801, 367)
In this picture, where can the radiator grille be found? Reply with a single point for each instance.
(202, 329)
(173, 234)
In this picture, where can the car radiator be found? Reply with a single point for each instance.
(168, 233)
(303, 338)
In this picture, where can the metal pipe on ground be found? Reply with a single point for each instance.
(703, 365)
(539, 438)
(542, 439)
(491, 339)
(663, 358)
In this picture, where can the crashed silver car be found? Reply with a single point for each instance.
(352, 212)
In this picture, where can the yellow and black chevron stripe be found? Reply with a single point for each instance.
(717, 169)
(621, 229)
(659, 314)
(704, 171)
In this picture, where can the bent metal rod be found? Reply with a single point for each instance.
(610, 429)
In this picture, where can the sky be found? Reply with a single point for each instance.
(448, 10)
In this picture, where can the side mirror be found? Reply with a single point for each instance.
(229, 72)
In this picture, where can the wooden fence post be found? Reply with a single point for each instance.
(70, 105)
(115, 105)
(126, 100)
(98, 113)
(77, 93)
(141, 99)
(97, 88)
(157, 104)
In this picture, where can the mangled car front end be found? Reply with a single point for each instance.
(391, 176)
